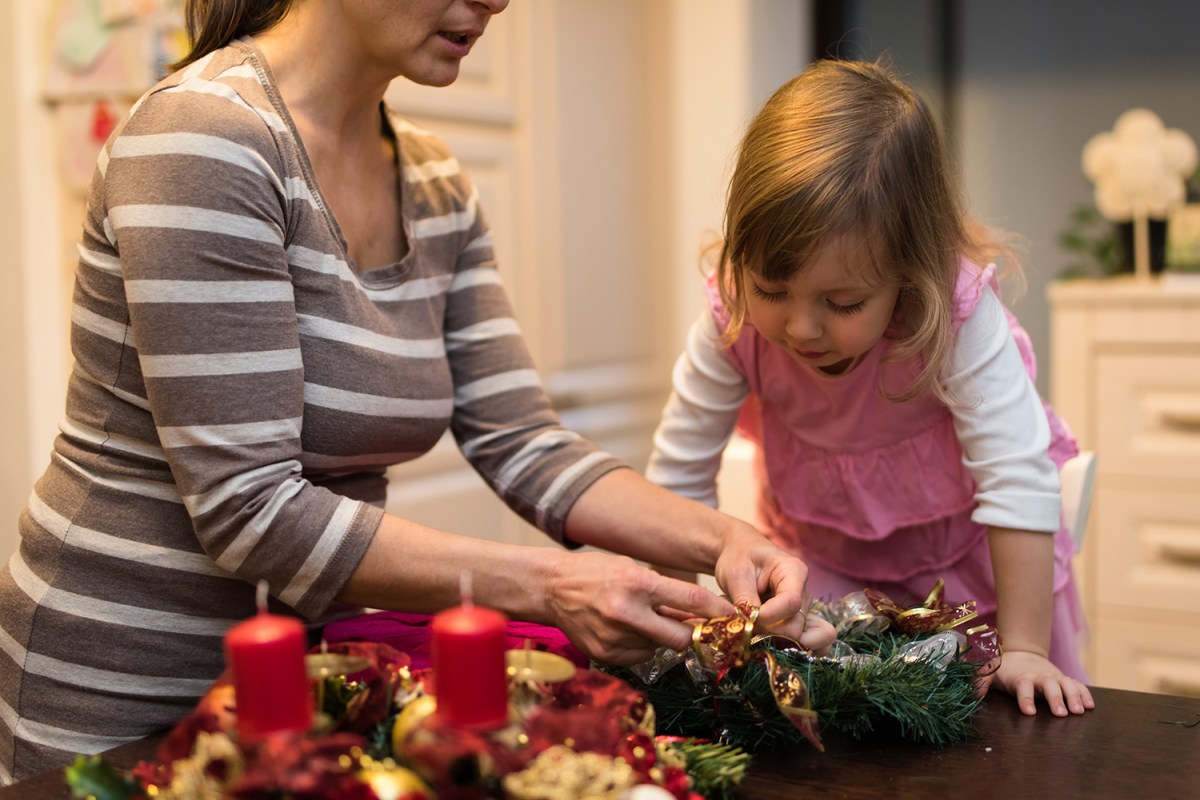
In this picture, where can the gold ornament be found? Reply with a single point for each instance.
(409, 718)
(559, 773)
(391, 781)
(538, 666)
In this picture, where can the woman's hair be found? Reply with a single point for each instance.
(846, 147)
(212, 24)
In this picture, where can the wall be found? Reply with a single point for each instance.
(32, 322)
(1037, 81)
(725, 59)
(13, 404)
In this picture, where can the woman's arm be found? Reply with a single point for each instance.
(607, 604)
(604, 603)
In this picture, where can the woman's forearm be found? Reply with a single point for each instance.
(411, 567)
(624, 513)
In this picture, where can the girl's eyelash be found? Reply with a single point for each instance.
(850, 309)
(770, 297)
(775, 297)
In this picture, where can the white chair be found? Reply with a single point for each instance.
(1078, 477)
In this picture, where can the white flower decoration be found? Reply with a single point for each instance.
(1139, 167)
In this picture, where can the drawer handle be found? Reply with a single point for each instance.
(1182, 420)
(1180, 556)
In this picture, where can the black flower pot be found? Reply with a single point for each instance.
(1158, 244)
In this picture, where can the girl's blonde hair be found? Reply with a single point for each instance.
(846, 147)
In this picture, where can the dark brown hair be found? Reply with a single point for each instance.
(212, 24)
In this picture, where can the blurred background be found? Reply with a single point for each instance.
(600, 135)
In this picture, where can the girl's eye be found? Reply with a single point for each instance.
(770, 297)
(853, 308)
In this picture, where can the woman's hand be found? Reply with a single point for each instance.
(1025, 674)
(619, 612)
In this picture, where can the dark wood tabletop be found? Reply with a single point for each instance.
(1133, 745)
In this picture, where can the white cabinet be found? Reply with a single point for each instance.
(1126, 378)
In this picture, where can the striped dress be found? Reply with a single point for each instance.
(238, 391)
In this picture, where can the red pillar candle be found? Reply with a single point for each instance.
(469, 667)
(266, 656)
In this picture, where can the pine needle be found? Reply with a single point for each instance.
(919, 701)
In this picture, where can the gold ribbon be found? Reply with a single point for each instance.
(935, 615)
(723, 643)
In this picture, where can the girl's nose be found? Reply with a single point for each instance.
(803, 326)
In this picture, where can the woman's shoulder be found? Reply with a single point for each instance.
(426, 158)
(435, 177)
(225, 95)
(419, 144)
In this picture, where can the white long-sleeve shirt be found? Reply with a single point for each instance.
(1000, 421)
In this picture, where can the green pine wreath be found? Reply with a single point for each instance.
(917, 700)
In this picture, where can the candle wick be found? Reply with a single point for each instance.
(260, 599)
(464, 588)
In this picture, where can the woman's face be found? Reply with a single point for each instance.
(422, 40)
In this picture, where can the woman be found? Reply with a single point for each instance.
(284, 288)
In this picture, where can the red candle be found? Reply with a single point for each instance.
(266, 656)
(469, 667)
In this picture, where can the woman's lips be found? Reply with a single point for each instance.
(459, 42)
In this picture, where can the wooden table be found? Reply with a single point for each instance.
(1134, 745)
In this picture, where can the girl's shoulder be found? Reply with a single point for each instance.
(716, 305)
(972, 281)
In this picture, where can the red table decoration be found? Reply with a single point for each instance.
(265, 655)
(469, 666)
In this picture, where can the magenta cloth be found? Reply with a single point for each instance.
(410, 633)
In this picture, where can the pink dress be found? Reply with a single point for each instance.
(874, 493)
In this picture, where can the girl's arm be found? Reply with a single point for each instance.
(1001, 424)
(699, 417)
(696, 425)
(1023, 565)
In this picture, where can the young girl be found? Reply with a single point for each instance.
(854, 332)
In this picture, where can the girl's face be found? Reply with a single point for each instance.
(423, 40)
(829, 313)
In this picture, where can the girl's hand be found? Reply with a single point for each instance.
(815, 633)
(754, 571)
(619, 612)
(1024, 674)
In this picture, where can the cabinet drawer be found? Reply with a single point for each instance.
(1147, 548)
(1147, 657)
(1148, 415)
